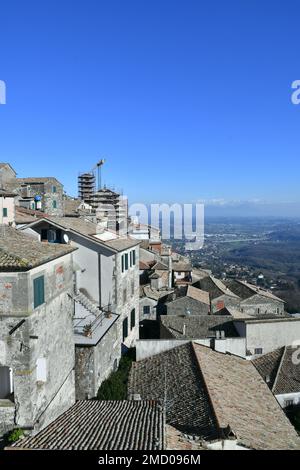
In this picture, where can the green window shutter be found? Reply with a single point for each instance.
(133, 257)
(126, 261)
(4, 212)
(132, 319)
(122, 263)
(125, 328)
(54, 189)
(38, 291)
(54, 205)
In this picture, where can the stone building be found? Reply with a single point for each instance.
(191, 301)
(7, 174)
(36, 333)
(255, 300)
(182, 273)
(7, 207)
(106, 279)
(44, 193)
(36, 193)
(220, 295)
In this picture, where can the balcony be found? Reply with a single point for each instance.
(91, 323)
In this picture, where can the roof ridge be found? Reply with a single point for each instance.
(206, 387)
(279, 368)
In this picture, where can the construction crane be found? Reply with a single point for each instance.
(97, 167)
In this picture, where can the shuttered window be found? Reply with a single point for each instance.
(4, 212)
(133, 257)
(126, 261)
(38, 291)
(125, 328)
(132, 319)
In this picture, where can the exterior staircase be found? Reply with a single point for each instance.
(87, 303)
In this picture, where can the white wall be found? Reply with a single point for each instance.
(270, 335)
(288, 396)
(149, 347)
(87, 277)
(9, 204)
(236, 346)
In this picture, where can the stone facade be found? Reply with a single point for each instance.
(127, 295)
(49, 189)
(94, 364)
(37, 344)
(260, 305)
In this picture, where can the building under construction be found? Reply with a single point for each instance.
(106, 202)
(86, 186)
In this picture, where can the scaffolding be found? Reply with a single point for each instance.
(86, 186)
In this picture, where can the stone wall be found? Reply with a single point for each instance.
(260, 305)
(127, 294)
(44, 333)
(95, 363)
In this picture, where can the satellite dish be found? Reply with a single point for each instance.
(66, 238)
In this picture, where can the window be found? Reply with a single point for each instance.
(6, 382)
(130, 258)
(133, 257)
(146, 309)
(54, 189)
(288, 403)
(125, 328)
(44, 234)
(258, 311)
(41, 370)
(38, 291)
(51, 236)
(124, 262)
(132, 318)
(4, 212)
(258, 351)
(54, 204)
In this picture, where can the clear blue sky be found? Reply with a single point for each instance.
(186, 99)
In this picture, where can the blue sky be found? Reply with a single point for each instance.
(187, 100)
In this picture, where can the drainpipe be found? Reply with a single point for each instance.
(99, 278)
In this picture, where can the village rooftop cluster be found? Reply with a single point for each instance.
(216, 362)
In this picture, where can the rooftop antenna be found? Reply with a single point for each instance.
(99, 165)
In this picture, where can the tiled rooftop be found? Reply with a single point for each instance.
(103, 425)
(214, 395)
(21, 252)
(243, 401)
(173, 378)
(199, 326)
(281, 368)
(246, 290)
